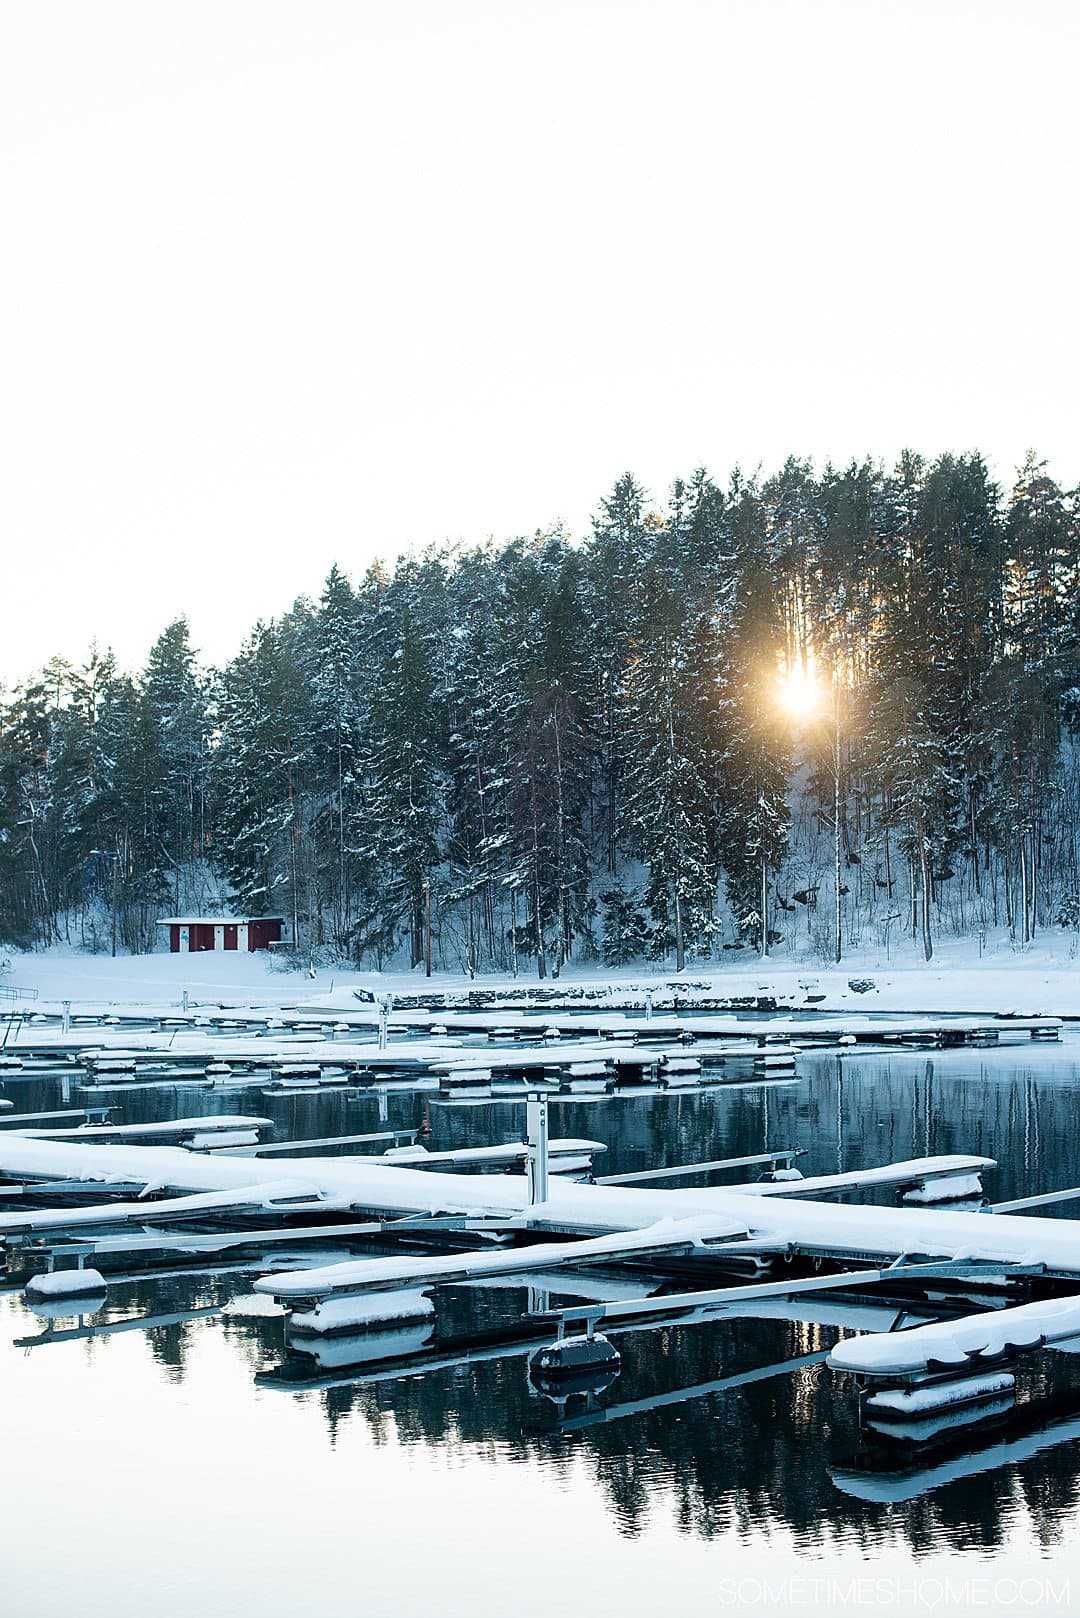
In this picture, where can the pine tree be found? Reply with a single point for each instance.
(175, 712)
(755, 762)
(397, 833)
(327, 657)
(907, 760)
(259, 774)
(613, 560)
(669, 789)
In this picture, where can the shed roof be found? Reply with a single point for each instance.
(213, 921)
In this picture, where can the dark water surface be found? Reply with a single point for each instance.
(176, 1469)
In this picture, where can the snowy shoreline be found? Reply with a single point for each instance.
(1044, 980)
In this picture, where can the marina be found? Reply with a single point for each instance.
(373, 1238)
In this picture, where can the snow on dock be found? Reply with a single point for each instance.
(348, 1314)
(378, 1187)
(193, 1193)
(65, 1284)
(956, 1344)
(270, 1196)
(149, 1192)
(175, 1129)
(754, 1223)
(388, 1274)
(929, 1179)
(529, 1039)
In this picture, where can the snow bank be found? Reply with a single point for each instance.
(1042, 978)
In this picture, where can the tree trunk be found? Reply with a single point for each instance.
(561, 921)
(541, 962)
(836, 834)
(928, 948)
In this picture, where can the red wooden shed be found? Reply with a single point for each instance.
(190, 934)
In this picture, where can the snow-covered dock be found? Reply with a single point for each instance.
(218, 1129)
(264, 1043)
(782, 1244)
(973, 1341)
(743, 1222)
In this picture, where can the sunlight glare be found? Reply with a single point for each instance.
(799, 693)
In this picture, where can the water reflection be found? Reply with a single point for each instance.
(733, 1425)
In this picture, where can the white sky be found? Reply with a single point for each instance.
(291, 281)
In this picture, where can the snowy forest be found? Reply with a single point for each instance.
(806, 712)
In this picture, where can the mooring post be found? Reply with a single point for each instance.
(536, 1122)
(648, 1005)
(65, 1025)
(184, 1001)
(539, 1300)
(385, 1002)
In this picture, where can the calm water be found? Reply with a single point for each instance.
(184, 1469)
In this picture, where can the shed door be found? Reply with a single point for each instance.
(230, 937)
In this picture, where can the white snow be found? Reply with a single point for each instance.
(920, 1429)
(1044, 978)
(338, 1314)
(356, 1274)
(208, 1139)
(226, 1123)
(940, 1395)
(582, 1337)
(953, 1187)
(934, 1172)
(954, 1342)
(65, 1283)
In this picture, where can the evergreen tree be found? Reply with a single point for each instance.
(907, 760)
(175, 714)
(258, 775)
(755, 763)
(613, 561)
(468, 756)
(397, 833)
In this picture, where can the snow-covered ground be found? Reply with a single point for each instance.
(1044, 979)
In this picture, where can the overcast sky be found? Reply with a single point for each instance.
(291, 281)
